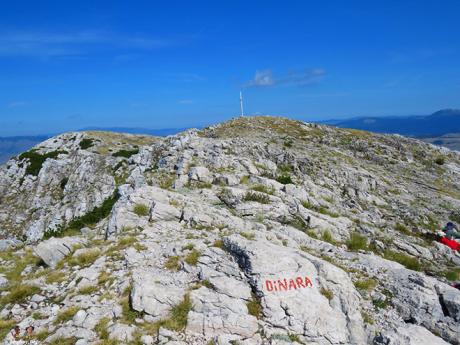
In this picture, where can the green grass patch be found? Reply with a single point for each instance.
(192, 257)
(404, 259)
(19, 293)
(141, 210)
(84, 259)
(453, 274)
(327, 293)
(173, 263)
(402, 228)
(66, 315)
(5, 327)
(254, 307)
(284, 179)
(356, 242)
(101, 328)
(366, 284)
(88, 290)
(177, 320)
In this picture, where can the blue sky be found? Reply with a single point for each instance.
(70, 64)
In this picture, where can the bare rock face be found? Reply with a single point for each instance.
(256, 231)
(304, 295)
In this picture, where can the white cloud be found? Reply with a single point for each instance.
(185, 101)
(299, 78)
(46, 44)
(16, 104)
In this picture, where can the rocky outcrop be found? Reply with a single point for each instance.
(256, 231)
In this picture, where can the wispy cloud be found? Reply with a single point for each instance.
(265, 78)
(16, 104)
(185, 101)
(46, 44)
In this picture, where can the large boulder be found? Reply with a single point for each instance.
(55, 249)
(300, 293)
(155, 294)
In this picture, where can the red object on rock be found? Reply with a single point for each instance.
(450, 243)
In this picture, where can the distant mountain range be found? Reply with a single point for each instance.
(437, 124)
(440, 128)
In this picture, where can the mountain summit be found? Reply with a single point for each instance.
(259, 230)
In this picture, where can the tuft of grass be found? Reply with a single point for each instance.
(189, 246)
(192, 257)
(327, 237)
(367, 284)
(254, 306)
(88, 290)
(452, 275)
(319, 209)
(129, 315)
(177, 320)
(66, 315)
(86, 143)
(402, 228)
(327, 293)
(84, 259)
(404, 259)
(356, 242)
(141, 210)
(263, 189)
(55, 277)
(36, 160)
(248, 236)
(218, 243)
(5, 327)
(125, 153)
(257, 197)
(380, 303)
(101, 328)
(367, 318)
(173, 263)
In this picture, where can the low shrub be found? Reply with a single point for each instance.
(86, 143)
(284, 179)
(440, 160)
(257, 197)
(36, 160)
(126, 153)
